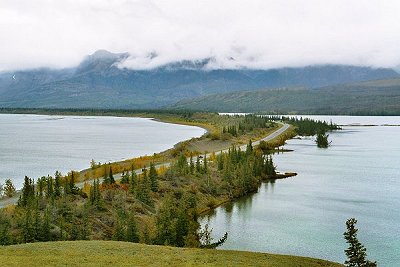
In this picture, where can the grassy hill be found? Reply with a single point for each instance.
(380, 97)
(111, 253)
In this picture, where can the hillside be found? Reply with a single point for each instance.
(98, 82)
(110, 253)
(380, 97)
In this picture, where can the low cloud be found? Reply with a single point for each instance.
(253, 33)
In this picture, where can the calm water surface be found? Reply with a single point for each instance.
(37, 145)
(358, 176)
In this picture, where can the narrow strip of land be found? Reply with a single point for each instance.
(282, 129)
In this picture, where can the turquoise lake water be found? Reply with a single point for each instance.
(37, 145)
(358, 176)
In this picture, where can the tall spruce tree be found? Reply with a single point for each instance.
(356, 253)
(153, 175)
(131, 230)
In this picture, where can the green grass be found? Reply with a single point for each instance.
(110, 253)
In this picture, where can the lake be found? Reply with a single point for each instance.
(358, 176)
(37, 145)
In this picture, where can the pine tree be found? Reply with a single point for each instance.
(191, 164)
(4, 230)
(50, 187)
(356, 252)
(132, 231)
(28, 230)
(249, 148)
(198, 165)
(28, 192)
(111, 176)
(57, 184)
(205, 167)
(106, 179)
(45, 230)
(119, 234)
(9, 188)
(153, 175)
(133, 182)
(125, 178)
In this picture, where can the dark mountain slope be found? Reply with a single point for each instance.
(380, 97)
(98, 82)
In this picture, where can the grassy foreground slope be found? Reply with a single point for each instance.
(111, 253)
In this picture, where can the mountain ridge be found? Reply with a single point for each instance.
(101, 81)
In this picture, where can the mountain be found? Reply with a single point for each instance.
(379, 97)
(99, 82)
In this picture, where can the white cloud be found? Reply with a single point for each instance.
(255, 33)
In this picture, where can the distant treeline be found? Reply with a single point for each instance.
(94, 111)
(307, 126)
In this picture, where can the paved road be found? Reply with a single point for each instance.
(118, 176)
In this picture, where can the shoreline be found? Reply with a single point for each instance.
(4, 202)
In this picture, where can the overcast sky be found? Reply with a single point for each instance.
(254, 34)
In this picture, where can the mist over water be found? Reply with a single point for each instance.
(358, 176)
(37, 145)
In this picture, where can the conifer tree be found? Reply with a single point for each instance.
(50, 186)
(119, 234)
(111, 176)
(133, 182)
(205, 165)
(198, 165)
(28, 229)
(125, 178)
(4, 230)
(132, 231)
(9, 188)
(45, 230)
(57, 184)
(106, 178)
(153, 175)
(191, 164)
(28, 192)
(356, 252)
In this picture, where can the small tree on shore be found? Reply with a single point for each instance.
(322, 140)
(356, 253)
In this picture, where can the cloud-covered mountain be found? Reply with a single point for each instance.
(100, 81)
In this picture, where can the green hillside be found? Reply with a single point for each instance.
(111, 253)
(380, 97)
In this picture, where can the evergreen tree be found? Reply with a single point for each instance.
(198, 165)
(9, 188)
(191, 164)
(166, 222)
(28, 192)
(153, 175)
(322, 140)
(4, 230)
(45, 230)
(356, 252)
(133, 182)
(249, 148)
(125, 178)
(119, 234)
(205, 164)
(111, 176)
(50, 186)
(57, 184)
(106, 179)
(28, 228)
(131, 231)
